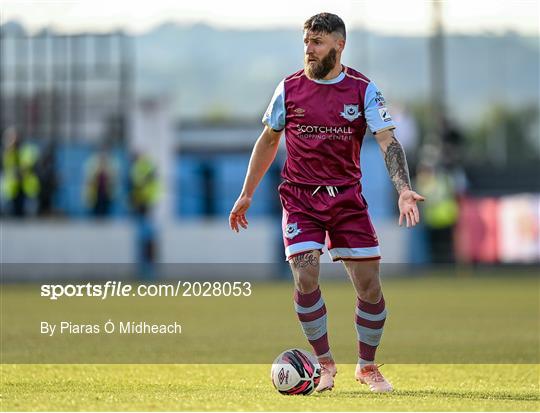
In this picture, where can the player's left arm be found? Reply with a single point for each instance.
(396, 164)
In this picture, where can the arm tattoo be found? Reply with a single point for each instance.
(396, 163)
(304, 260)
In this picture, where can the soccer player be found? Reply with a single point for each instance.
(324, 110)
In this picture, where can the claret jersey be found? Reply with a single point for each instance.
(325, 122)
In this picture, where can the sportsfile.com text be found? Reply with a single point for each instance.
(121, 289)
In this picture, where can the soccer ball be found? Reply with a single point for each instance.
(295, 371)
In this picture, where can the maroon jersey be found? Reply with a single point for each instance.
(325, 123)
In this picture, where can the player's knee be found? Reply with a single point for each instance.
(372, 293)
(369, 289)
(306, 284)
(306, 281)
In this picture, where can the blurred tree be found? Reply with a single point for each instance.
(217, 113)
(505, 136)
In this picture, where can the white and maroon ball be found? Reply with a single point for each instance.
(295, 371)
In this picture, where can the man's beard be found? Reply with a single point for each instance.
(319, 70)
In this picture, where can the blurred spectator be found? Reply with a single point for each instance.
(452, 143)
(100, 183)
(143, 184)
(20, 184)
(143, 194)
(46, 171)
(440, 210)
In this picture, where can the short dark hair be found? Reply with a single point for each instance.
(325, 23)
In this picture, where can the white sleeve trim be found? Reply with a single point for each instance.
(274, 117)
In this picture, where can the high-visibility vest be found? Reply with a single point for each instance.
(440, 208)
(145, 184)
(18, 173)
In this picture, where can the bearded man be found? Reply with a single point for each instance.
(324, 110)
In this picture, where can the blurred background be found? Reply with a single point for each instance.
(127, 130)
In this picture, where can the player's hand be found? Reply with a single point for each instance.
(238, 213)
(408, 208)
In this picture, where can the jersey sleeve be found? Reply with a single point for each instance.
(274, 117)
(377, 116)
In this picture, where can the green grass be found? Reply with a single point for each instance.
(248, 388)
(444, 340)
(435, 320)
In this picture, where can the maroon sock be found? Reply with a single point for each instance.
(311, 312)
(370, 320)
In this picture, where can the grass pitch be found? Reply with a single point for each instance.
(248, 388)
(436, 325)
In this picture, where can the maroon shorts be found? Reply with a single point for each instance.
(311, 216)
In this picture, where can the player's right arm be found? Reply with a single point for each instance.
(264, 153)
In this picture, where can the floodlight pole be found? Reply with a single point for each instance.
(437, 73)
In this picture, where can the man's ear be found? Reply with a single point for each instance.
(341, 44)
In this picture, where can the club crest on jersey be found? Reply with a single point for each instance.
(350, 112)
(292, 230)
